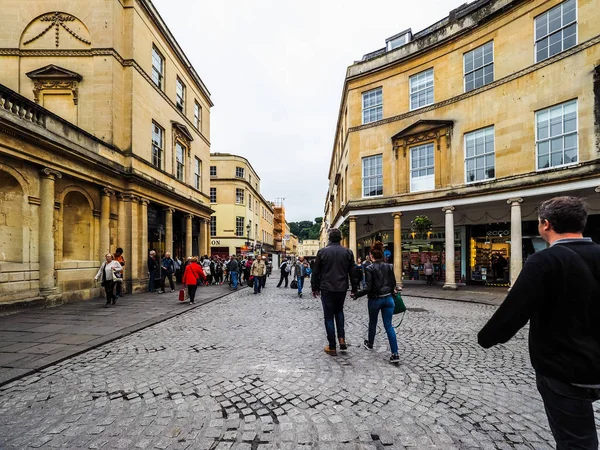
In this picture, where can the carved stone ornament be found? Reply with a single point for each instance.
(57, 21)
(53, 77)
(422, 131)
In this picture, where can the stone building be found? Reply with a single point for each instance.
(242, 221)
(104, 143)
(448, 139)
(309, 248)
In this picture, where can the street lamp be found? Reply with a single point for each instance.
(368, 226)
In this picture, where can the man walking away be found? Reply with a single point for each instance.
(333, 266)
(153, 269)
(168, 268)
(284, 268)
(557, 292)
(234, 271)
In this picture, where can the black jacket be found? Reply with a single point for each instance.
(558, 292)
(333, 265)
(153, 265)
(380, 280)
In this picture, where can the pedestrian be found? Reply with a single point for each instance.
(428, 269)
(178, 270)
(168, 268)
(234, 271)
(258, 270)
(219, 271)
(206, 262)
(107, 272)
(193, 277)
(557, 293)
(247, 267)
(284, 269)
(380, 284)
(333, 266)
(263, 279)
(366, 263)
(119, 288)
(300, 274)
(153, 270)
(357, 276)
(269, 266)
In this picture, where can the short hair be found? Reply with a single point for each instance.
(565, 214)
(335, 235)
(119, 250)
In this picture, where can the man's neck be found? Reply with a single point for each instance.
(558, 236)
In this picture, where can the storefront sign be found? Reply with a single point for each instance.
(215, 242)
(498, 233)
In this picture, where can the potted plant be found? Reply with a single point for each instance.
(421, 224)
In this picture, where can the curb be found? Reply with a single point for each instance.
(113, 337)
(460, 300)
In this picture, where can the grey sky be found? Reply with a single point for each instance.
(275, 69)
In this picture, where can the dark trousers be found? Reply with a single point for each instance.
(429, 280)
(257, 284)
(109, 289)
(263, 281)
(192, 291)
(151, 279)
(168, 275)
(333, 310)
(284, 276)
(119, 289)
(570, 413)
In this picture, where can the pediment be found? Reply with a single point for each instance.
(422, 127)
(54, 72)
(182, 130)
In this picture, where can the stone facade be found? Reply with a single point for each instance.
(309, 248)
(98, 149)
(241, 215)
(411, 115)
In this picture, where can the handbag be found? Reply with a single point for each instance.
(118, 277)
(399, 306)
(182, 295)
(250, 281)
(294, 284)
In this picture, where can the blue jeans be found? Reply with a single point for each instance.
(234, 279)
(257, 284)
(333, 310)
(300, 281)
(386, 306)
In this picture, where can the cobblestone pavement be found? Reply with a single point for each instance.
(249, 372)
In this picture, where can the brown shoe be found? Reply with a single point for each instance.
(330, 351)
(343, 346)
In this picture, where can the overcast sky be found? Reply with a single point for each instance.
(275, 70)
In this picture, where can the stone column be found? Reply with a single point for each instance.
(398, 248)
(204, 240)
(143, 238)
(188, 235)
(450, 275)
(105, 195)
(46, 228)
(121, 222)
(352, 237)
(169, 230)
(516, 239)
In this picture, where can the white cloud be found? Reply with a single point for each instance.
(275, 70)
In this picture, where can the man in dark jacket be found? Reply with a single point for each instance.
(167, 264)
(557, 292)
(333, 266)
(153, 270)
(234, 271)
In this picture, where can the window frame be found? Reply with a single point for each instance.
(410, 166)
(180, 165)
(474, 157)
(240, 193)
(180, 99)
(197, 173)
(197, 115)
(211, 171)
(370, 177)
(213, 226)
(536, 40)
(465, 73)
(238, 227)
(370, 108)
(411, 93)
(161, 148)
(212, 194)
(160, 83)
(239, 169)
(562, 135)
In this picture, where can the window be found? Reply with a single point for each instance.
(421, 89)
(197, 174)
(158, 68)
(479, 66)
(213, 171)
(239, 226)
(250, 202)
(180, 94)
(249, 178)
(213, 195)
(213, 225)
(239, 196)
(398, 41)
(555, 30)
(157, 145)
(239, 172)
(372, 176)
(180, 161)
(372, 105)
(197, 116)
(556, 135)
(421, 168)
(480, 159)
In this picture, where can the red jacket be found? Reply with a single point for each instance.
(192, 273)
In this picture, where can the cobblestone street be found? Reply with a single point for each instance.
(249, 372)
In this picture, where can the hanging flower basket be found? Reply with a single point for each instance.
(421, 224)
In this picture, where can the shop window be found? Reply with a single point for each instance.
(372, 105)
(421, 89)
(372, 176)
(479, 66)
(480, 159)
(556, 30)
(556, 135)
(422, 168)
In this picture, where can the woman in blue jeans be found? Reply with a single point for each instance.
(380, 286)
